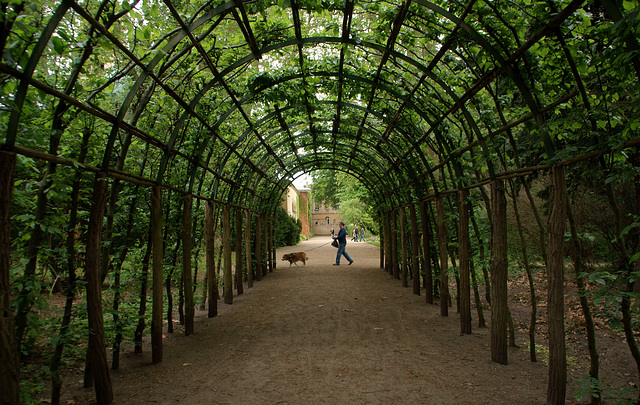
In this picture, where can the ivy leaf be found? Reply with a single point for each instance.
(57, 45)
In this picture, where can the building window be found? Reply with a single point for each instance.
(327, 218)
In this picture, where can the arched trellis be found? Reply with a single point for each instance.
(410, 154)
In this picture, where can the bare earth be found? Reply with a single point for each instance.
(326, 334)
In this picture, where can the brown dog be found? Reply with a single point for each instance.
(294, 258)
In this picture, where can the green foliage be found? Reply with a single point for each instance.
(287, 229)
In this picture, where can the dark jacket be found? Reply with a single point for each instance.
(342, 236)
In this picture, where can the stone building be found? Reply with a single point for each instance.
(323, 219)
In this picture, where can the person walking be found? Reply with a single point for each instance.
(342, 244)
(362, 234)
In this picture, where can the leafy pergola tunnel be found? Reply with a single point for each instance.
(175, 120)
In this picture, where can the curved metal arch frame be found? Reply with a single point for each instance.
(418, 1)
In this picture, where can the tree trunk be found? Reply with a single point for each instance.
(158, 269)
(532, 286)
(498, 267)
(239, 245)
(578, 266)
(212, 280)
(464, 251)
(144, 280)
(187, 279)
(415, 249)
(9, 364)
(56, 359)
(395, 267)
(485, 273)
(247, 247)
(557, 388)
(265, 244)
(226, 249)
(388, 266)
(403, 246)
(426, 247)
(258, 247)
(383, 240)
(269, 242)
(476, 296)
(97, 351)
(444, 259)
(167, 284)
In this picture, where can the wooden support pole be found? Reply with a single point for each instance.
(269, 242)
(383, 240)
(464, 250)
(239, 248)
(226, 249)
(157, 271)
(557, 388)
(209, 237)
(394, 246)
(9, 363)
(247, 247)
(426, 247)
(273, 241)
(403, 245)
(388, 264)
(415, 249)
(498, 269)
(258, 247)
(265, 244)
(187, 279)
(97, 352)
(444, 258)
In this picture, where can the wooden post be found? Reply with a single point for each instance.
(388, 265)
(498, 268)
(273, 241)
(158, 276)
(426, 247)
(226, 249)
(269, 241)
(9, 363)
(404, 247)
(209, 237)
(187, 279)
(239, 248)
(557, 388)
(444, 258)
(265, 244)
(394, 246)
(258, 247)
(247, 247)
(383, 240)
(415, 251)
(464, 248)
(97, 351)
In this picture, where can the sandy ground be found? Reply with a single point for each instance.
(326, 334)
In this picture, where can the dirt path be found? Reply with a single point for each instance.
(327, 334)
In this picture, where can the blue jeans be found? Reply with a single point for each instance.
(341, 252)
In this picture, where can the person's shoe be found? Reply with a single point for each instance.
(336, 264)
(351, 262)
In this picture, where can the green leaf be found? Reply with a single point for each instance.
(57, 45)
(629, 5)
